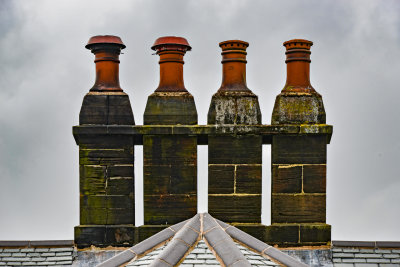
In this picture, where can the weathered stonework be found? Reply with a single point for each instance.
(170, 135)
(106, 162)
(298, 195)
(170, 161)
(234, 162)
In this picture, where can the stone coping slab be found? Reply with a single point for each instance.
(202, 131)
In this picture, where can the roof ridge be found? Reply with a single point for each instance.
(219, 237)
(260, 247)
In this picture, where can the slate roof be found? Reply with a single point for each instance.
(176, 243)
(366, 254)
(34, 253)
(202, 255)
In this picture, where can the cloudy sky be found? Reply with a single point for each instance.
(45, 71)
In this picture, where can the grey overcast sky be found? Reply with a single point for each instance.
(45, 71)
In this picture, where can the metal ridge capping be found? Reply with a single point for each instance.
(184, 237)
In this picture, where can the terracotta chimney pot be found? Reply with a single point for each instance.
(298, 66)
(171, 50)
(234, 66)
(107, 49)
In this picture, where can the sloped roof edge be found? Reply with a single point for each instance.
(218, 236)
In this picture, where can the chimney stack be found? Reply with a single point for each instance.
(298, 194)
(106, 162)
(234, 161)
(170, 161)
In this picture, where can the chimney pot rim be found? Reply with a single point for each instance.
(105, 39)
(225, 43)
(298, 43)
(171, 40)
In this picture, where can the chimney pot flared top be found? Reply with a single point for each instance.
(171, 43)
(105, 39)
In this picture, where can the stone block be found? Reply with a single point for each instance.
(120, 235)
(298, 208)
(103, 109)
(221, 179)
(105, 156)
(235, 208)
(169, 209)
(248, 179)
(297, 149)
(286, 178)
(239, 149)
(85, 236)
(231, 108)
(282, 234)
(315, 233)
(298, 109)
(120, 186)
(169, 108)
(314, 178)
(169, 150)
(169, 179)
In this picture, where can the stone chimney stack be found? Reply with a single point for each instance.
(106, 136)
(106, 184)
(234, 161)
(298, 201)
(170, 161)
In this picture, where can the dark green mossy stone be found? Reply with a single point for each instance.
(235, 208)
(298, 109)
(105, 235)
(169, 108)
(170, 179)
(234, 108)
(311, 233)
(120, 186)
(146, 231)
(298, 149)
(254, 229)
(248, 179)
(298, 208)
(239, 149)
(282, 234)
(169, 209)
(314, 178)
(221, 179)
(106, 109)
(286, 179)
(169, 150)
(85, 236)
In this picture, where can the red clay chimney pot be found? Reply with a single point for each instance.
(106, 49)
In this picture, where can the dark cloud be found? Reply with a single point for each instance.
(45, 72)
